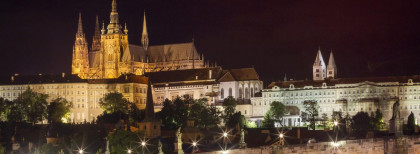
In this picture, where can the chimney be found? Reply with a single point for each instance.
(63, 74)
(210, 73)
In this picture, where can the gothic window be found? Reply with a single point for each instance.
(222, 93)
(241, 93)
(246, 93)
(252, 92)
(230, 91)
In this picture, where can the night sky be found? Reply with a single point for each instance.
(368, 37)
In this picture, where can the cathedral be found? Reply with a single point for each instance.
(111, 55)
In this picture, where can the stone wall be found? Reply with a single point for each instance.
(410, 144)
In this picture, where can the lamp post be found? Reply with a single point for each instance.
(194, 144)
(143, 146)
(335, 130)
(281, 136)
(225, 135)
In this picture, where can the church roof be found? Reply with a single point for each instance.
(68, 78)
(333, 82)
(161, 53)
(319, 61)
(183, 77)
(331, 61)
(242, 74)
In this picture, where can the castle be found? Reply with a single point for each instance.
(111, 55)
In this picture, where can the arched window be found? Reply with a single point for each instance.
(252, 92)
(246, 93)
(222, 93)
(230, 91)
(241, 93)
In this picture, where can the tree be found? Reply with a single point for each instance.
(325, 120)
(378, 120)
(34, 105)
(114, 102)
(205, 116)
(360, 123)
(268, 121)
(59, 109)
(229, 105)
(3, 107)
(311, 109)
(277, 110)
(120, 140)
(411, 121)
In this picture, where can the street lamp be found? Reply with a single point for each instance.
(225, 134)
(81, 151)
(143, 145)
(335, 123)
(129, 151)
(281, 135)
(194, 144)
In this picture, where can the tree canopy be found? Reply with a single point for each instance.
(59, 110)
(229, 105)
(311, 109)
(360, 124)
(114, 102)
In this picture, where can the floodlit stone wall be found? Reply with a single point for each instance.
(365, 146)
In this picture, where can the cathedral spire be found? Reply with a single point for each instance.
(96, 37)
(144, 35)
(80, 26)
(331, 61)
(114, 26)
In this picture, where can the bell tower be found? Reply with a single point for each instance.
(319, 69)
(80, 61)
(113, 42)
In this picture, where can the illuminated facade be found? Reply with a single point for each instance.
(347, 95)
(111, 54)
(85, 94)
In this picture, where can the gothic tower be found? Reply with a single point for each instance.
(319, 69)
(80, 61)
(113, 43)
(331, 68)
(144, 35)
(96, 42)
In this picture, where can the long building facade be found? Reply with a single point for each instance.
(111, 54)
(347, 95)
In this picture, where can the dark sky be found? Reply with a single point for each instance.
(368, 37)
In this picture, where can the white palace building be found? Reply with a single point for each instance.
(348, 95)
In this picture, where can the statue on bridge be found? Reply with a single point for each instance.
(396, 110)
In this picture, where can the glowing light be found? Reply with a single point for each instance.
(225, 152)
(80, 151)
(335, 144)
(143, 143)
(225, 134)
(194, 144)
(335, 123)
(129, 151)
(281, 135)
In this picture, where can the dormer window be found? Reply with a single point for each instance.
(291, 86)
(410, 81)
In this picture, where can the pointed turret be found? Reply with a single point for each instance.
(331, 68)
(319, 68)
(96, 42)
(144, 35)
(150, 112)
